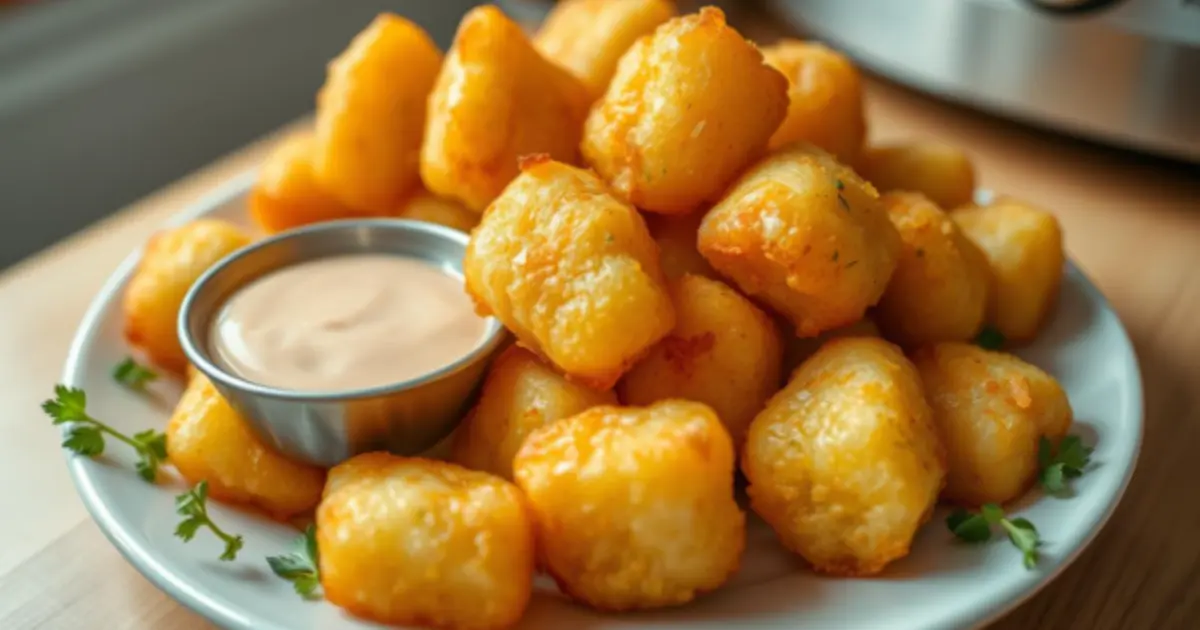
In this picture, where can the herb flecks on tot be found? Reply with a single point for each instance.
(86, 434)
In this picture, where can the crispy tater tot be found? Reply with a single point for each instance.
(287, 193)
(520, 394)
(588, 37)
(495, 101)
(992, 409)
(807, 236)
(172, 261)
(371, 115)
(1024, 248)
(940, 289)
(428, 207)
(797, 349)
(208, 440)
(939, 171)
(424, 542)
(676, 239)
(724, 352)
(689, 107)
(825, 99)
(845, 463)
(634, 507)
(571, 271)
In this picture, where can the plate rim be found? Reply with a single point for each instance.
(227, 616)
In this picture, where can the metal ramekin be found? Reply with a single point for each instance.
(326, 428)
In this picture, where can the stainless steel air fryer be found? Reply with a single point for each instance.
(1124, 72)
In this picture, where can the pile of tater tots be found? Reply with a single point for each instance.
(709, 273)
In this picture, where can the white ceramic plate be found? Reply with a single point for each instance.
(941, 584)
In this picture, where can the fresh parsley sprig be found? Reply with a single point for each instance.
(1060, 465)
(86, 435)
(990, 338)
(133, 375)
(193, 506)
(300, 566)
(976, 527)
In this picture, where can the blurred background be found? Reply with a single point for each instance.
(105, 101)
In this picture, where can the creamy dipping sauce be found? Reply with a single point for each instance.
(346, 322)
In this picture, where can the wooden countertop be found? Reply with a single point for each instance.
(1131, 222)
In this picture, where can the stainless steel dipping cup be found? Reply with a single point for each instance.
(328, 427)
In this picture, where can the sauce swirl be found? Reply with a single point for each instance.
(346, 323)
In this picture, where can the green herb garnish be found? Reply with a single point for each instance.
(86, 435)
(193, 506)
(841, 200)
(301, 565)
(990, 339)
(976, 527)
(133, 375)
(1059, 465)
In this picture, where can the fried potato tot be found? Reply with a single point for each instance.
(676, 239)
(172, 261)
(845, 463)
(208, 440)
(796, 350)
(992, 409)
(520, 394)
(1024, 248)
(588, 37)
(940, 289)
(825, 99)
(941, 172)
(571, 271)
(634, 506)
(423, 542)
(371, 115)
(807, 236)
(428, 207)
(495, 101)
(689, 107)
(287, 194)
(724, 352)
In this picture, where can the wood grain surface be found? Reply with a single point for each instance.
(1131, 222)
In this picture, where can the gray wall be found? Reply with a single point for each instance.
(104, 101)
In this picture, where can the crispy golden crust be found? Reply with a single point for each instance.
(724, 352)
(588, 37)
(617, 527)
(496, 100)
(428, 207)
(939, 291)
(992, 409)
(172, 261)
(571, 271)
(689, 107)
(825, 99)
(287, 193)
(208, 440)
(804, 234)
(676, 239)
(423, 542)
(845, 463)
(1024, 248)
(371, 115)
(520, 395)
(941, 172)
(799, 349)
